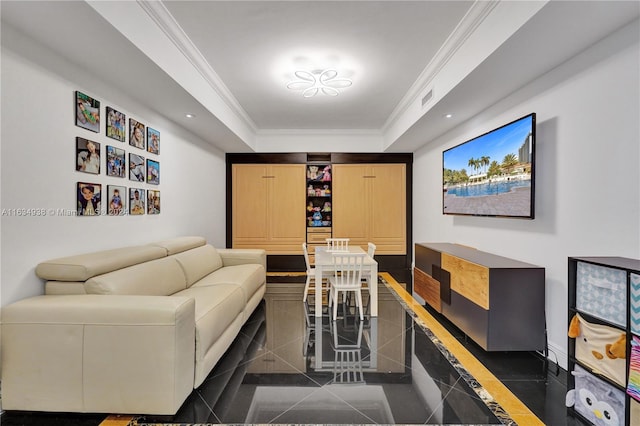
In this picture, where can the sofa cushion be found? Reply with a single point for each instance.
(64, 287)
(217, 307)
(180, 244)
(249, 277)
(198, 262)
(84, 266)
(160, 277)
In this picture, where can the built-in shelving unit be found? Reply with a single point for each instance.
(604, 318)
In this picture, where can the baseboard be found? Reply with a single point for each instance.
(558, 355)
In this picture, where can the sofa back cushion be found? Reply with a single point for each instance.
(84, 266)
(179, 244)
(160, 277)
(198, 262)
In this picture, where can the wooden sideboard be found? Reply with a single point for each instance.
(498, 302)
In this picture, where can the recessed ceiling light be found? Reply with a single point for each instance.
(318, 81)
(189, 115)
(448, 115)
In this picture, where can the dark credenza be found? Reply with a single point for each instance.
(498, 302)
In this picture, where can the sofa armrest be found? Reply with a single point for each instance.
(232, 257)
(97, 353)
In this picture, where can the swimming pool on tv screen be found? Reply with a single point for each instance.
(484, 189)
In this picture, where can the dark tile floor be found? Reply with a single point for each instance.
(289, 367)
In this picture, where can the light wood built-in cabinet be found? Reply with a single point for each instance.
(369, 205)
(267, 204)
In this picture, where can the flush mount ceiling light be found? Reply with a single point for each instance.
(318, 81)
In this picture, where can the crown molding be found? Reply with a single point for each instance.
(476, 14)
(167, 23)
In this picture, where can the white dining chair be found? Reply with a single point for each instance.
(347, 360)
(366, 274)
(337, 244)
(311, 276)
(347, 277)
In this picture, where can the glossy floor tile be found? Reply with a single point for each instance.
(289, 367)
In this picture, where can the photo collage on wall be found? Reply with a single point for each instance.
(140, 164)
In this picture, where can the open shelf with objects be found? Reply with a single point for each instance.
(319, 205)
(604, 340)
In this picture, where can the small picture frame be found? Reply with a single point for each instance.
(136, 201)
(87, 156)
(116, 196)
(153, 172)
(88, 198)
(116, 164)
(136, 133)
(153, 202)
(136, 167)
(116, 124)
(87, 112)
(153, 141)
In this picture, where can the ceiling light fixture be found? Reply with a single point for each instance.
(189, 115)
(318, 81)
(448, 115)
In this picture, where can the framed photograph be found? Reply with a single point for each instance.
(87, 112)
(136, 133)
(88, 197)
(153, 141)
(116, 196)
(153, 202)
(153, 172)
(136, 201)
(116, 124)
(87, 156)
(115, 161)
(136, 167)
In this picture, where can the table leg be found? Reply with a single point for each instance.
(318, 291)
(373, 290)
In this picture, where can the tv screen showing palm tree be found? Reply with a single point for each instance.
(492, 174)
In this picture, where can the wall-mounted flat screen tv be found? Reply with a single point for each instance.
(492, 174)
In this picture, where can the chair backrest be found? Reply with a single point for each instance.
(337, 244)
(371, 249)
(306, 257)
(348, 269)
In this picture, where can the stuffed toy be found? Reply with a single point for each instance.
(326, 174)
(317, 219)
(596, 400)
(312, 173)
(600, 347)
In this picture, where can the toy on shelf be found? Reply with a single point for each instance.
(326, 174)
(600, 347)
(327, 206)
(312, 173)
(317, 219)
(597, 401)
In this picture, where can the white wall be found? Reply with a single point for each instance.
(588, 174)
(38, 170)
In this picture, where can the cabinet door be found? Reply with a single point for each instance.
(369, 205)
(268, 207)
(387, 212)
(249, 203)
(286, 208)
(351, 203)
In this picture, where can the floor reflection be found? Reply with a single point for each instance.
(289, 366)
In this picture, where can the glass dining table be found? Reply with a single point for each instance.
(324, 264)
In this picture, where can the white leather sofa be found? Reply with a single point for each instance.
(130, 330)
